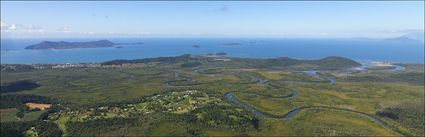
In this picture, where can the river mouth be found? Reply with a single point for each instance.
(373, 65)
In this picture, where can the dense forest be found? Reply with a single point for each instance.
(328, 63)
(414, 78)
(209, 117)
(190, 64)
(18, 86)
(12, 101)
(95, 127)
(410, 114)
(177, 59)
(18, 129)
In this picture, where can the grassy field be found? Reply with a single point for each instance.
(275, 106)
(327, 123)
(85, 86)
(30, 116)
(8, 115)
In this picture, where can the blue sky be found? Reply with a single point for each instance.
(194, 19)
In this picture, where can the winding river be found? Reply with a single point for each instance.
(294, 112)
(291, 114)
(317, 72)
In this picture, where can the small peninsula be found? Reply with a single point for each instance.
(71, 45)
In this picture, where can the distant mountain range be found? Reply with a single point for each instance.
(71, 45)
(413, 36)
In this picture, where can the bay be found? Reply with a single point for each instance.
(13, 52)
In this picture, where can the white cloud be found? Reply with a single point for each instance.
(325, 34)
(4, 25)
(221, 9)
(63, 29)
(12, 27)
(20, 28)
(195, 33)
(31, 27)
(140, 33)
(89, 33)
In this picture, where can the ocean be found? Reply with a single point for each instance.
(13, 52)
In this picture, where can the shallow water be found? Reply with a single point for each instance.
(316, 72)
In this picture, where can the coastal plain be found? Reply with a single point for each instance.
(188, 95)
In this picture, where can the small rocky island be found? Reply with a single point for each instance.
(71, 45)
(196, 46)
(232, 44)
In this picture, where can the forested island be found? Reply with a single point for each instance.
(71, 45)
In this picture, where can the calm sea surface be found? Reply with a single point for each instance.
(12, 50)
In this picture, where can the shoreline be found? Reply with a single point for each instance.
(364, 62)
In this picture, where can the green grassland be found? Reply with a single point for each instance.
(30, 116)
(325, 122)
(184, 96)
(8, 115)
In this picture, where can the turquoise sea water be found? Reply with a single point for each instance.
(12, 50)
